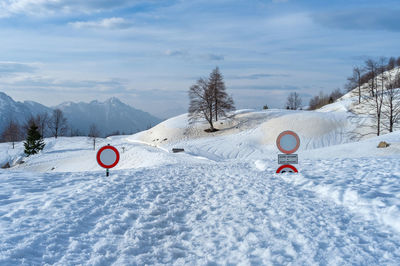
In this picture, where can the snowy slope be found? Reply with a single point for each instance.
(219, 202)
(249, 134)
(162, 208)
(364, 113)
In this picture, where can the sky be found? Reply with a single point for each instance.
(149, 52)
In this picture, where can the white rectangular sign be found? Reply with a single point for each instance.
(288, 159)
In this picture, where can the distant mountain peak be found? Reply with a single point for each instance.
(113, 100)
(4, 96)
(109, 116)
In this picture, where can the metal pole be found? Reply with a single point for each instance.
(107, 173)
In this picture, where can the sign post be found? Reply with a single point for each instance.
(107, 157)
(287, 142)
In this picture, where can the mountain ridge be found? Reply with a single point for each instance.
(109, 116)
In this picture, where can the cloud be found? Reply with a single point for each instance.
(185, 54)
(107, 23)
(179, 53)
(361, 19)
(48, 7)
(267, 87)
(7, 68)
(43, 83)
(259, 76)
(215, 57)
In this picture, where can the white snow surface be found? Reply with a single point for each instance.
(220, 202)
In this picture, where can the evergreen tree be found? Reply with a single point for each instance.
(34, 141)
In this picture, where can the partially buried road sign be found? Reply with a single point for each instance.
(287, 168)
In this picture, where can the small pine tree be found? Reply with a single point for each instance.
(34, 141)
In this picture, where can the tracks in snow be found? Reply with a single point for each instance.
(203, 213)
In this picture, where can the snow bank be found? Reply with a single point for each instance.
(257, 128)
(367, 187)
(315, 129)
(199, 213)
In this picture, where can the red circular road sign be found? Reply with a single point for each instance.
(288, 142)
(286, 168)
(108, 156)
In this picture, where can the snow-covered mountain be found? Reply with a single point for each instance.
(109, 116)
(18, 111)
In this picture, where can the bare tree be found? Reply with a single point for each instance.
(58, 123)
(314, 103)
(391, 104)
(222, 102)
(42, 122)
(12, 133)
(201, 103)
(114, 133)
(322, 99)
(391, 63)
(376, 88)
(356, 81)
(372, 68)
(293, 101)
(94, 133)
(73, 132)
(209, 100)
(336, 94)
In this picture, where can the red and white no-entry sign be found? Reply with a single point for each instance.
(108, 156)
(288, 142)
(286, 168)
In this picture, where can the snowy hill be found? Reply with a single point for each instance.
(251, 132)
(209, 205)
(219, 202)
(364, 113)
(108, 116)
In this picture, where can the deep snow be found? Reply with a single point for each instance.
(219, 202)
(204, 213)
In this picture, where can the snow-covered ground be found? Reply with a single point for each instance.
(219, 202)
